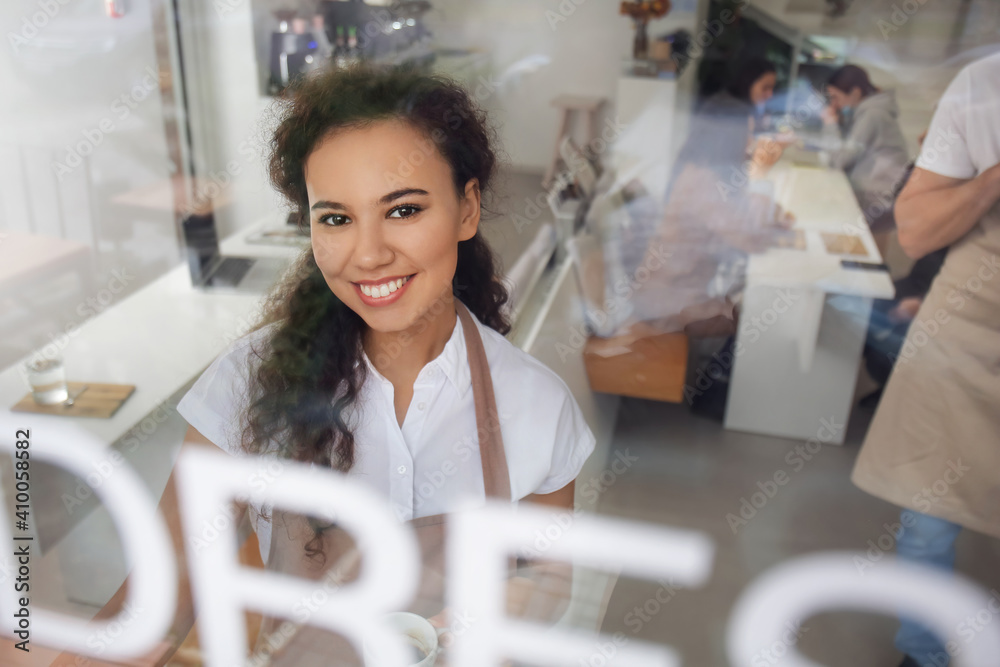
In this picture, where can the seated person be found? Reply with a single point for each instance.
(873, 151)
(718, 210)
(713, 215)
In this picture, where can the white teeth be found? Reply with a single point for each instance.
(385, 289)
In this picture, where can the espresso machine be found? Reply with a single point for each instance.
(382, 32)
(295, 50)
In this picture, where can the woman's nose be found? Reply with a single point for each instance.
(371, 250)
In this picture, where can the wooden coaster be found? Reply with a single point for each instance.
(844, 244)
(793, 239)
(98, 400)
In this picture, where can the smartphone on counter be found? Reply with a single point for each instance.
(865, 266)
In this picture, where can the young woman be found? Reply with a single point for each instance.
(712, 217)
(873, 152)
(722, 128)
(364, 359)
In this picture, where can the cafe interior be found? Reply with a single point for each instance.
(720, 323)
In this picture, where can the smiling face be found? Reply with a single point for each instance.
(386, 221)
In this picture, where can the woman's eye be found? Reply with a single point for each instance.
(333, 220)
(405, 211)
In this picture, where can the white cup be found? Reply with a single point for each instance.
(417, 632)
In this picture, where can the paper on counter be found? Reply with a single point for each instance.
(790, 268)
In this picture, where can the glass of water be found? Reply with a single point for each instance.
(47, 378)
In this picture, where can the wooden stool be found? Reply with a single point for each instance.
(569, 104)
(643, 366)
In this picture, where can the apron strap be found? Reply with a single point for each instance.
(496, 478)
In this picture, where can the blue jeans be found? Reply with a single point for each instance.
(930, 541)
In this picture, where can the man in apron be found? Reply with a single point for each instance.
(934, 444)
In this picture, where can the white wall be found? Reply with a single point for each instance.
(541, 50)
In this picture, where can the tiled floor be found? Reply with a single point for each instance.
(691, 473)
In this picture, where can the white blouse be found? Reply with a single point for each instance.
(431, 465)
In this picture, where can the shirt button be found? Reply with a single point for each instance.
(401, 470)
(421, 406)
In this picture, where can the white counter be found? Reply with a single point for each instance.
(804, 316)
(157, 339)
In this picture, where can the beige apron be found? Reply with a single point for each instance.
(304, 645)
(934, 444)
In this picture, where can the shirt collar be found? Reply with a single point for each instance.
(453, 360)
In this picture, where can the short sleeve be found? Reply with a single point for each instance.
(574, 443)
(215, 402)
(945, 150)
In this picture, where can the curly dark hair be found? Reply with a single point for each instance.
(308, 372)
